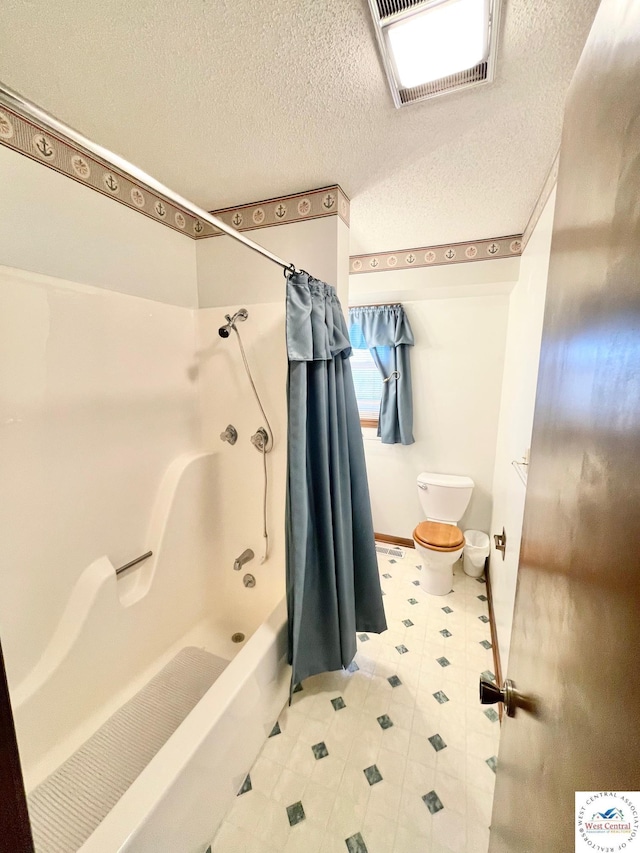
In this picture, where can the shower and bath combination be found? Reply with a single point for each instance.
(262, 439)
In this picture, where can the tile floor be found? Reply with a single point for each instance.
(393, 755)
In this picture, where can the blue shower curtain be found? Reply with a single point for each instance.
(385, 331)
(333, 587)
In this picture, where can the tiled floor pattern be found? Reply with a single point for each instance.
(393, 755)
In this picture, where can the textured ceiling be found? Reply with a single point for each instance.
(231, 101)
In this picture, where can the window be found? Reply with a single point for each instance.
(368, 385)
(380, 338)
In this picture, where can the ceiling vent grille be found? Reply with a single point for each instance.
(445, 84)
(387, 8)
(387, 11)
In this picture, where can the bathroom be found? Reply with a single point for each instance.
(144, 387)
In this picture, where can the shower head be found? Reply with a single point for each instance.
(239, 317)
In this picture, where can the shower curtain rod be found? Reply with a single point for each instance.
(27, 109)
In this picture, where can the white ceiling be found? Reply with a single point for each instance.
(232, 101)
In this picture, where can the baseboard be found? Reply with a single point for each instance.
(394, 540)
(497, 668)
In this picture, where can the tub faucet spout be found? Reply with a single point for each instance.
(239, 562)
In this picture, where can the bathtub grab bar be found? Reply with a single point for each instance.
(134, 562)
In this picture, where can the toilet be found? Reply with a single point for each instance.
(439, 541)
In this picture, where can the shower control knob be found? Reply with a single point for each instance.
(230, 434)
(260, 439)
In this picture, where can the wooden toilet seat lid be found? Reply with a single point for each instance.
(439, 536)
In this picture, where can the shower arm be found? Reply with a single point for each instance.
(27, 109)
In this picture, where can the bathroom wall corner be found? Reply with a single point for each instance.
(524, 332)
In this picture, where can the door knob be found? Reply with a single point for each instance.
(490, 693)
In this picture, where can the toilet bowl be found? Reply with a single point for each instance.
(440, 546)
(439, 541)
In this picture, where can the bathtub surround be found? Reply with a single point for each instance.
(90, 378)
(385, 330)
(333, 589)
(393, 755)
(262, 439)
(225, 397)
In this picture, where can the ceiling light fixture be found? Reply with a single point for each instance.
(430, 47)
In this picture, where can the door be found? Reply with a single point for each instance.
(575, 645)
(15, 832)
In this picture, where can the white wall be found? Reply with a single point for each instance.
(97, 397)
(526, 310)
(229, 273)
(458, 315)
(456, 366)
(479, 278)
(53, 225)
(342, 263)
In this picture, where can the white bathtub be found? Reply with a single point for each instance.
(117, 633)
(179, 800)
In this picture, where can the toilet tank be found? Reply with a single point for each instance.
(444, 497)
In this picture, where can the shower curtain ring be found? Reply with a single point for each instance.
(287, 272)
